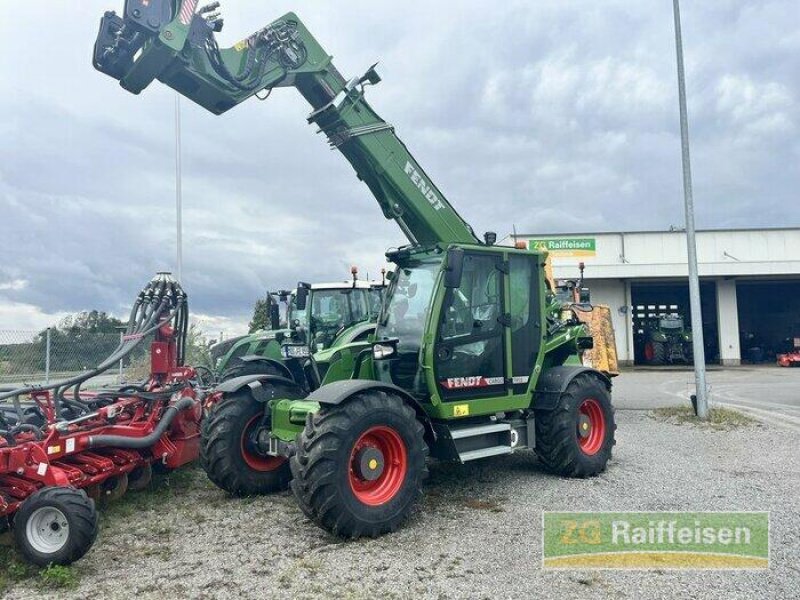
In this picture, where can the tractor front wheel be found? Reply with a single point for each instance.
(359, 466)
(248, 368)
(229, 453)
(576, 438)
(55, 525)
(655, 353)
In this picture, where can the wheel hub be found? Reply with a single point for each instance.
(369, 464)
(584, 426)
(254, 443)
(591, 426)
(378, 465)
(47, 530)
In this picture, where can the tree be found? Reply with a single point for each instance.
(198, 348)
(260, 318)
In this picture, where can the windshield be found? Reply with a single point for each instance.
(334, 310)
(672, 323)
(405, 311)
(375, 302)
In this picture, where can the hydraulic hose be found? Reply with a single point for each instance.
(121, 441)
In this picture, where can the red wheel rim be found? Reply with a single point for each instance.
(591, 426)
(386, 445)
(649, 351)
(257, 462)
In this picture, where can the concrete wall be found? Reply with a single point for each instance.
(612, 292)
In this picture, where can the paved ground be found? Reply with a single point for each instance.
(478, 533)
(771, 394)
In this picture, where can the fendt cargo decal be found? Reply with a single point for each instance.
(424, 187)
(477, 381)
(460, 383)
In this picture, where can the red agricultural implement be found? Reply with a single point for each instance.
(62, 449)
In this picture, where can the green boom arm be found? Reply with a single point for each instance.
(171, 41)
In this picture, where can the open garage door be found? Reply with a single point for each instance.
(662, 322)
(769, 318)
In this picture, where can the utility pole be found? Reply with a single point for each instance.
(178, 191)
(691, 243)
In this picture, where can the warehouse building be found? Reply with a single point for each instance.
(749, 279)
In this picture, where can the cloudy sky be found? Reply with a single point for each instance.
(546, 115)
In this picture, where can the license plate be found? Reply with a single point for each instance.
(296, 352)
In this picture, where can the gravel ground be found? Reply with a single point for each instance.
(477, 535)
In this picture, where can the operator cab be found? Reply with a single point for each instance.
(485, 321)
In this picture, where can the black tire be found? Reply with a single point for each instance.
(46, 511)
(223, 449)
(560, 445)
(111, 490)
(249, 368)
(659, 355)
(140, 478)
(323, 466)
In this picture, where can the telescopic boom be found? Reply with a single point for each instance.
(174, 42)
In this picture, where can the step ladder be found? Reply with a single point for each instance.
(482, 441)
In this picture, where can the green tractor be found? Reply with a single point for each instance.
(468, 360)
(321, 316)
(667, 340)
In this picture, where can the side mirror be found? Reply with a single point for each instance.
(302, 295)
(274, 316)
(454, 269)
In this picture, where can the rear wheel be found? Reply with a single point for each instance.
(55, 525)
(655, 353)
(229, 453)
(359, 466)
(576, 438)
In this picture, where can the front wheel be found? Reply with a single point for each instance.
(229, 453)
(576, 438)
(256, 367)
(359, 466)
(55, 525)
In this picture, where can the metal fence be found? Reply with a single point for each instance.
(35, 357)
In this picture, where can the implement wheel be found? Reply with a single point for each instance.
(140, 478)
(229, 454)
(359, 466)
(576, 438)
(55, 525)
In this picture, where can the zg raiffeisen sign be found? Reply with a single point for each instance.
(565, 246)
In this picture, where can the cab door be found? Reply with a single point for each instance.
(470, 351)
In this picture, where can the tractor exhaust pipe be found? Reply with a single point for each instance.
(121, 441)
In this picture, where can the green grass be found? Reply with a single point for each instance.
(14, 570)
(56, 577)
(719, 418)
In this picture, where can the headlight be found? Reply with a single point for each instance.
(295, 351)
(382, 351)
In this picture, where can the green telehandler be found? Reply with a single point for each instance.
(468, 358)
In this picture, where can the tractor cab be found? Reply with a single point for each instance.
(473, 318)
(330, 310)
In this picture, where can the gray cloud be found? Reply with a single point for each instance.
(547, 116)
